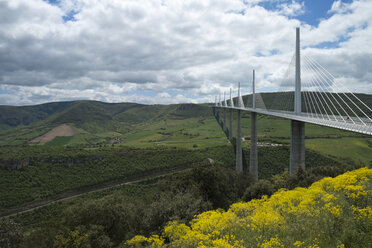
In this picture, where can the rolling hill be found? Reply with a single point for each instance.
(97, 122)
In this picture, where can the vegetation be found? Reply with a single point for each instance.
(36, 173)
(126, 141)
(334, 212)
(98, 122)
(114, 216)
(48, 172)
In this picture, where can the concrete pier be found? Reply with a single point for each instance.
(253, 160)
(219, 116)
(224, 120)
(230, 126)
(239, 160)
(297, 152)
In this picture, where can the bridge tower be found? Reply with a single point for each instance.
(239, 154)
(219, 110)
(253, 160)
(297, 151)
(215, 107)
(224, 113)
(230, 124)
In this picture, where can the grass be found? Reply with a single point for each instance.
(327, 141)
(344, 147)
(186, 133)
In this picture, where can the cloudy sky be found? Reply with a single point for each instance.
(168, 51)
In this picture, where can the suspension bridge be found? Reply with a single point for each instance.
(308, 94)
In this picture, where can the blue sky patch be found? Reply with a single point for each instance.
(315, 10)
(70, 16)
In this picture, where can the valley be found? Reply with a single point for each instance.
(84, 148)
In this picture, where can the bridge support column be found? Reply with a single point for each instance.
(224, 120)
(239, 160)
(219, 116)
(297, 152)
(231, 127)
(253, 163)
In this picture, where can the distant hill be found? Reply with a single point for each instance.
(21, 124)
(130, 123)
(80, 112)
(12, 116)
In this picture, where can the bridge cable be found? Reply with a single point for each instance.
(331, 80)
(318, 83)
(340, 104)
(330, 93)
(310, 99)
(312, 80)
(335, 83)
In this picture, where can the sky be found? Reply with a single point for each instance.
(167, 51)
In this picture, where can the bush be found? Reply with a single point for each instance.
(10, 233)
(333, 212)
(259, 189)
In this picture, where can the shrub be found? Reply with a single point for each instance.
(333, 212)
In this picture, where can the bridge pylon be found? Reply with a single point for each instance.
(297, 151)
(253, 158)
(239, 152)
(224, 113)
(230, 121)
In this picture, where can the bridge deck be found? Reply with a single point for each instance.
(348, 125)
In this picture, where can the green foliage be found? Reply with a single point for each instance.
(259, 189)
(166, 206)
(73, 239)
(157, 138)
(119, 216)
(54, 170)
(145, 209)
(220, 186)
(83, 237)
(10, 233)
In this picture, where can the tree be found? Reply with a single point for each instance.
(10, 233)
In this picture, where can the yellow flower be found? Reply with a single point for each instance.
(276, 220)
(298, 243)
(272, 243)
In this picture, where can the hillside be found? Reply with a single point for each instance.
(13, 116)
(98, 122)
(333, 212)
(80, 112)
(179, 125)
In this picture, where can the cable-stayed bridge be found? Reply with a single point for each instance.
(308, 94)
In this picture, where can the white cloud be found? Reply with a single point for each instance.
(292, 9)
(116, 50)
